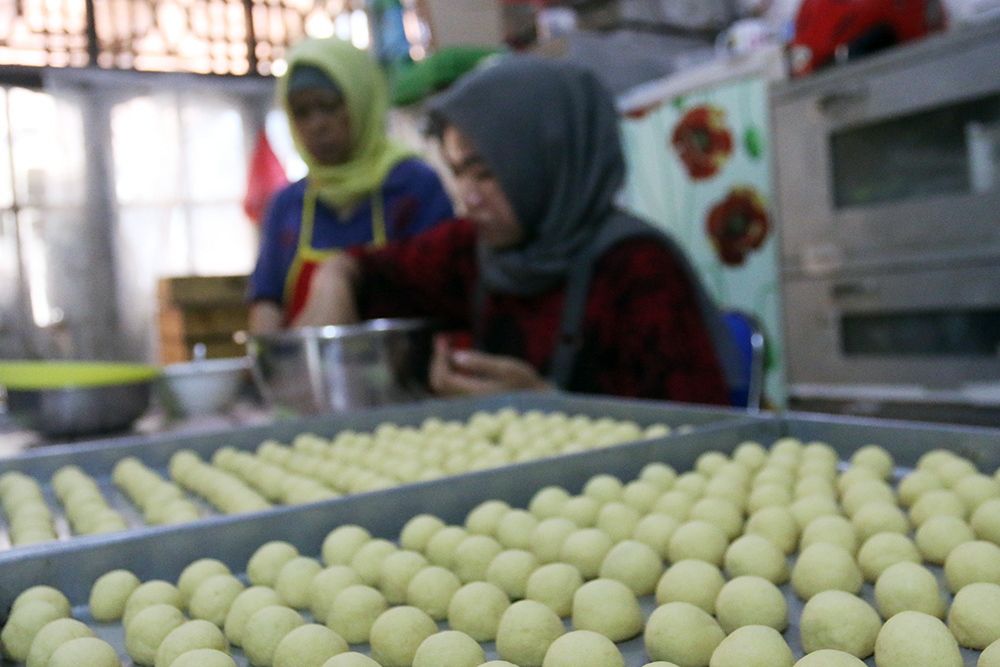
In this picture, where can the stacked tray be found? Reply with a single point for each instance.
(162, 553)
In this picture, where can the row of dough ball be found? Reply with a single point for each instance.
(29, 519)
(161, 501)
(224, 491)
(86, 508)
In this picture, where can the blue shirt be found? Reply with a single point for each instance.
(414, 200)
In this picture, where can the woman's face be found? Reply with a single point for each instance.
(485, 202)
(322, 123)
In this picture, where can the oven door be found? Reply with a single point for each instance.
(893, 159)
(936, 329)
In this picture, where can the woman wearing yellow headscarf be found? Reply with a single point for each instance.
(361, 189)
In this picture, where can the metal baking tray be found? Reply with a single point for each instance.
(97, 458)
(162, 553)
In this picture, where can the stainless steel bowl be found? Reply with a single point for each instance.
(201, 387)
(314, 370)
(72, 399)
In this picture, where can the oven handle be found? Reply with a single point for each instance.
(838, 101)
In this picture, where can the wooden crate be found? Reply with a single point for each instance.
(202, 309)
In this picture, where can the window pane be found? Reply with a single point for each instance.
(223, 241)
(146, 145)
(215, 159)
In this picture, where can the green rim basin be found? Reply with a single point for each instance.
(41, 375)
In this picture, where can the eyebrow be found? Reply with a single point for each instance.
(470, 161)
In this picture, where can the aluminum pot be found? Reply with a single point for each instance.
(76, 398)
(315, 370)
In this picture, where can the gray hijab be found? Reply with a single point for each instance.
(549, 132)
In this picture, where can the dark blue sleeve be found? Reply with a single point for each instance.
(278, 237)
(416, 199)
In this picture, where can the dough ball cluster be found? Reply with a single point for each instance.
(29, 519)
(86, 507)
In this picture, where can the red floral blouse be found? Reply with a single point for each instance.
(642, 337)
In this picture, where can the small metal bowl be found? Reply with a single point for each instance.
(201, 387)
(315, 370)
(71, 399)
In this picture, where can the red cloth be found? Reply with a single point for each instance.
(265, 177)
(643, 335)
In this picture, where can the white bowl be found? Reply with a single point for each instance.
(203, 386)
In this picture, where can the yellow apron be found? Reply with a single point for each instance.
(307, 258)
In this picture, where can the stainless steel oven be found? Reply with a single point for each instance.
(888, 188)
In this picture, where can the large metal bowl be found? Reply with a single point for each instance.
(76, 398)
(315, 370)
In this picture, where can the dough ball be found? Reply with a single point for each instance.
(148, 629)
(674, 503)
(341, 543)
(581, 510)
(681, 633)
(351, 659)
(515, 528)
(721, 512)
(655, 531)
(698, 539)
(189, 636)
(953, 470)
(547, 538)
(829, 658)
(582, 648)
(476, 609)
(53, 635)
(840, 621)
(554, 585)
(972, 562)
(547, 502)
(585, 550)
(526, 631)
(397, 634)
(834, 529)
(809, 508)
(308, 645)
(990, 657)
(266, 562)
(753, 646)
(603, 488)
(751, 601)
(294, 581)
(213, 598)
(913, 639)
(767, 495)
(43, 593)
(265, 629)
(916, 484)
(485, 517)
(882, 550)
(776, 524)
(618, 520)
(244, 605)
(856, 475)
(353, 611)
(441, 547)
(608, 607)
(397, 570)
(641, 495)
(879, 517)
(985, 521)
(109, 593)
(325, 586)
(692, 581)
(939, 502)
(368, 559)
(757, 556)
(204, 657)
(975, 490)
(908, 586)
(874, 457)
(974, 616)
(431, 590)
(449, 649)
(510, 570)
(659, 474)
(197, 572)
(823, 567)
(634, 564)
(473, 556)
(498, 663)
(814, 485)
(418, 531)
(85, 652)
(937, 536)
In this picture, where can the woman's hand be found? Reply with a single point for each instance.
(468, 372)
(331, 294)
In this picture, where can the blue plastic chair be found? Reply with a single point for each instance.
(749, 337)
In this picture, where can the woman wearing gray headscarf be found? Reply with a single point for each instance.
(556, 286)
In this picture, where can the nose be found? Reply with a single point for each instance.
(470, 193)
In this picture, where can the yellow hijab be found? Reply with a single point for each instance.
(344, 186)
